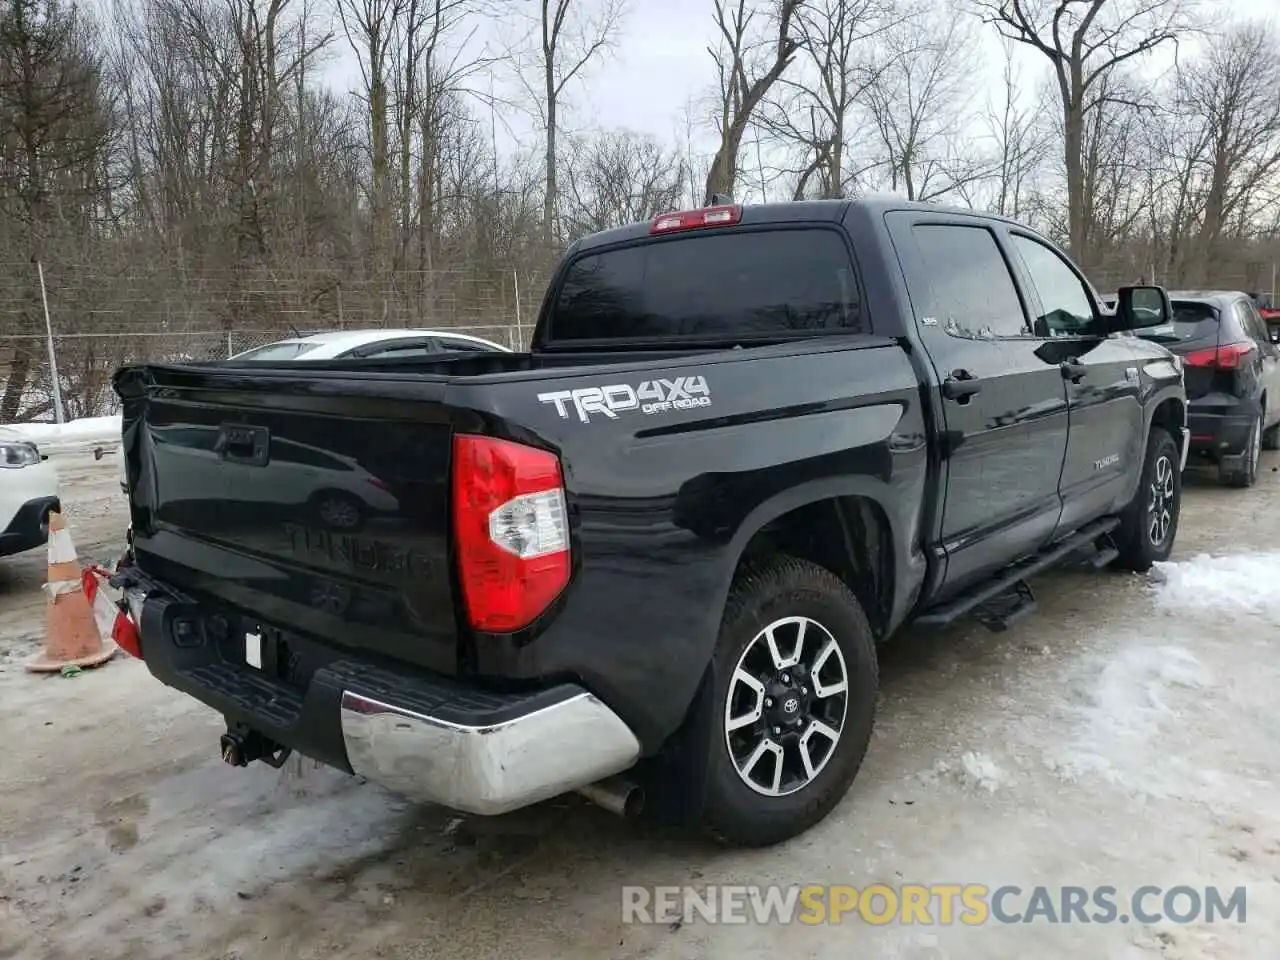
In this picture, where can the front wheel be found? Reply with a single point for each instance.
(1149, 523)
(782, 728)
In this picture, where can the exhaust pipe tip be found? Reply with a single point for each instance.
(617, 795)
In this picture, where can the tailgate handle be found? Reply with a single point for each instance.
(240, 443)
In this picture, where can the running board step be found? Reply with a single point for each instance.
(1002, 612)
(1008, 580)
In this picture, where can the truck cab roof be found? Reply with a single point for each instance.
(800, 211)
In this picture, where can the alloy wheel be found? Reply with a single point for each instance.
(1160, 507)
(786, 706)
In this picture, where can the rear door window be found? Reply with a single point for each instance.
(1251, 321)
(737, 285)
(973, 291)
(402, 351)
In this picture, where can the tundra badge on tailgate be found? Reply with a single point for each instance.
(651, 396)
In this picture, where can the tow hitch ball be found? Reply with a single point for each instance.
(241, 746)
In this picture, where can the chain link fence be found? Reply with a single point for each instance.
(102, 319)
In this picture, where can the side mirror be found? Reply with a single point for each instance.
(1139, 308)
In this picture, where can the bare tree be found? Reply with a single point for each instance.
(1233, 92)
(620, 177)
(53, 134)
(1084, 41)
(816, 104)
(371, 27)
(747, 67)
(570, 35)
(919, 101)
(1020, 138)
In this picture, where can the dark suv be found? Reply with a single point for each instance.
(1231, 363)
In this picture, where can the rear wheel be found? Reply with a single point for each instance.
(1149, 523)
(780, 731)
(1244, 471)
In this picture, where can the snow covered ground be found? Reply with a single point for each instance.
(1126, 735)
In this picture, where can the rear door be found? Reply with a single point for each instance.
(1102, 379)
(1005, 407)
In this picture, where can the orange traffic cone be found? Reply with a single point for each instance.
(72, 637)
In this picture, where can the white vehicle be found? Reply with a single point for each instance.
(28, 492)
(346, 344)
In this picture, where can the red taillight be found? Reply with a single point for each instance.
(724, 215)
(1226, 357)
(512, 531)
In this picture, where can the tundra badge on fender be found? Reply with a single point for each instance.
(649, 397)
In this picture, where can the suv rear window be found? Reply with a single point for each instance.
(739, 285)
(1194, 320)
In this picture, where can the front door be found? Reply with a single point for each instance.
(1107, 441)
(1004, 407)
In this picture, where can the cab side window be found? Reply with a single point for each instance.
(1068, 307)
(973, 291)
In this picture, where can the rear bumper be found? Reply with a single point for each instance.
(426, 737)
(1220, 428)
(29, 527)
(486, 765)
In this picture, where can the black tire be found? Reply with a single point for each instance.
(1271, 438)
(1159, 489)
(1245, 472)
(729, 809)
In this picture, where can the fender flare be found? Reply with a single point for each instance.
(793, 498)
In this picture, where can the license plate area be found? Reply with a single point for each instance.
(263, 649)
(274, 654)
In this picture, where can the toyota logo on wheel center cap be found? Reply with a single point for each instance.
(791, 705)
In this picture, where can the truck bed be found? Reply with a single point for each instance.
(320, 499)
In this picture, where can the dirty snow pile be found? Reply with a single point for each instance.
(1130, 708)
(1222, 586)
(53, 436)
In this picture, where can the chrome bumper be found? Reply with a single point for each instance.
(1186, 448)
(488, 769)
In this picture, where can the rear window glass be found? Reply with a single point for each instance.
(1192, 320)
(738, 285)
(285, 350)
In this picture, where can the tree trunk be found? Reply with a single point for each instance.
(551, 195)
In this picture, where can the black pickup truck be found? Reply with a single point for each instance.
(654, 555)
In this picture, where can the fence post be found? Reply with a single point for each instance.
(58, 412)
(519, 344)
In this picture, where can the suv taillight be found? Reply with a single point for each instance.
(512, 531)
(1229, 356)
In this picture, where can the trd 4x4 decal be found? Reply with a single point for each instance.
(649, 397)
